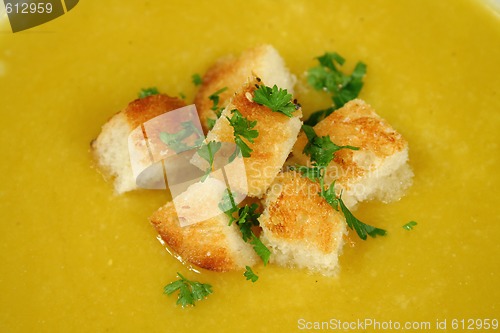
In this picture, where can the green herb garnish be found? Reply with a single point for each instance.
(176, 142)
(189, 291)
(317, 116)
(243, 129)
(207, 152)
(321, 149)
(262, 251)
(228, 205)
(410, 225)
(211, 123)
(361, 228)
(215, 98)
(342, 88)
(249, 274)
(245, 217)
(277, 99)
(316, 173)
(145, 92)
(197, 80)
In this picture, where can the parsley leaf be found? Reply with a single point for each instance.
(207, 152)
(228, 205)
(318, 116)
(145, 92)
(361, 228)
(262, 251)
(249, 274)
(342, 88)
(243, 128)
(330, 196)
(410, 225)
(215, 107)
(197, 80)
(277, 99)
(321, 149)
(211, 123)
(175, 140)
(316, 173)
(215, 98)
(189, 291)
(247, 217)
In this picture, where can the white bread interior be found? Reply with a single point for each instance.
(110, 148)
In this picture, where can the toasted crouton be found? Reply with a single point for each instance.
(300, 228)
(111, 146)
(277, 134)
(232, 72)
(378, 170)
(211, 244)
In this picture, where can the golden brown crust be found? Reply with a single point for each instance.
(144, 109)
(355, 124)
(233, 72)
(297, 214)
(220, 75)
(202, 244)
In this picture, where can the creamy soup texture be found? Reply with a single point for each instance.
(74, 257)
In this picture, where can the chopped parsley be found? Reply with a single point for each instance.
(197, 80)
(207, 151)
(228, 205)
(145, 92)
(249, 274)
(361, 228)
(211, 122)
(262, 251)
(245, 218)
(277, 99)
(409, 226)
(189, 291)
(321, 149)
(176, 141)
(316, 173)
(215, 98)
(243, 129)
(342, 88)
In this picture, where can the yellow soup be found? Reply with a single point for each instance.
(76, 258)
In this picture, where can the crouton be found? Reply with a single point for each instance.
(277, 134)
(232, 72)
(111, 146)
(211, 244)
(378, 170)
(299, 227)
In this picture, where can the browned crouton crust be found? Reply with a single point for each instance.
(210, 244)
(233, 72)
